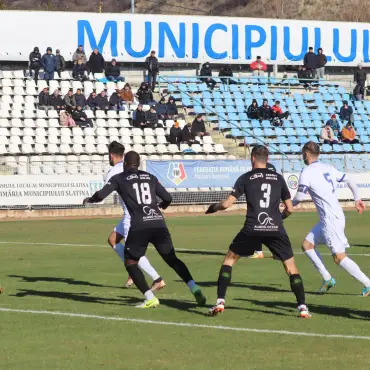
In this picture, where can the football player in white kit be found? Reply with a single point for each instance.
(320, 180)
(116, 153)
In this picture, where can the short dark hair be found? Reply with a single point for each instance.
(261, 153)
(311, 148)
(277, 102)
(116, 148)
(132, 159)
(310, 48)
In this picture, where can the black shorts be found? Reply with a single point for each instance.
(245, 245)
(137, 242)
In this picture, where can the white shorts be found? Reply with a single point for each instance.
(123, 227)
(330, 233)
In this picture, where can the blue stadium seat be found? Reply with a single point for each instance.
(302, 140)
(238, 95)
(266, 123)
(220, 109)
(233, 116)
(258, 132)
(294, 148)
(284, 148)
(367, 147)
(235, 132)
(229, 101)
(314, 139)
(279, 131)
(289, 131)
(358, 148)
(245, 124)
(223, 125)
(292, 140)
(364, 139)
(208, 102)
(218, 101)
(326, 148)
(255, 123)
(358, 166)
(337, 148)
(249, 140)
(207, 95)
(300, 132)
(282, 140)
(243, 116)
(367, 164)
(269, 132)
(311, 132)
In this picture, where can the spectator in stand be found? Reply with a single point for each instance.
(80, 118)
(172, 111)
(49, 62)
(115, 101)
(310, 61)
(175, 134)
(161, 108)
(258, 67)
(321, 62)
(327, 135)
(56, 101)
(66, 120)
(79, 54)
(102, 101)
(349, 134)
(113, 72)
(187, 136)
(153, 69)
(359, 92)
(35, 63)
(253, 110)
(206, 75)
(277, 114)
(96, 62)
(360, 77)
(92, 102)
(44, 100)
(227, 72)
(198, 127)
(334, 124)
(304, 76)
(346, 112)
(151, 118)
(80, 99)
(139, 117)
(70, 101)
(145, 95)
(264, 111)
(80, 71)
(126, 95)
(61, 63)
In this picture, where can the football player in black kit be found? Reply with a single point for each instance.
(139, 191)
(263, 189)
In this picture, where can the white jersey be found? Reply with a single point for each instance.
(115, 170)
(320, 181)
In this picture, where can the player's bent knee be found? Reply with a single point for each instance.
(306, 245)
(338, 257)
(230, 258)
(114, 238)
(290, 266)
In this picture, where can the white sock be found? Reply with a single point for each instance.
(149, 295)
(259, 252)
(317, 262)
(191, 284)
(119, 248)
(220, 301)
(145, 265)
(354, 270)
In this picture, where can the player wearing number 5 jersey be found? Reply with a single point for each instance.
(320, 180)
(263, 190)
(139, 191)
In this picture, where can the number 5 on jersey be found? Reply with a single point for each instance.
(143, 195)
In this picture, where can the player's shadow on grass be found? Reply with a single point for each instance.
(345, 312)
(254, 286)
(360, 245)
(70, 281)
(202, 253)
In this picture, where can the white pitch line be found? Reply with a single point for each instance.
(177, 249)
(185, 324)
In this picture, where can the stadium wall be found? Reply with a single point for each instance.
(193, 39)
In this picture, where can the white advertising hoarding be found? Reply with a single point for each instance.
(47, 190)
(195, 39)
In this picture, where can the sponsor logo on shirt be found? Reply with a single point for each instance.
(266, 223)
(132, 177)
(151, 214)
(256, 176)
(176, 173)
(293, 182)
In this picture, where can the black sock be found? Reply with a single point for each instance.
(138, 277)
(296, 284)
(224, 279)
(179, 266)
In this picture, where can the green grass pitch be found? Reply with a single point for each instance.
(86, 277)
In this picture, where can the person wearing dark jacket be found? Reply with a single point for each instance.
(359, 92)
(96, 62)
(264, 111)
(113, 72)
(145, 95)
(80, 118)
(56, 101)
(198, 127)
(172, 111)
(44, 100)
(139, 117)
(61, 63)
(321, 62)
(226, 72)
(252, 111)
(80, 71)
(206, 75)
(70, 101)
(151, 118)
(35, 63)
(115, 102)
(360, 77)
(80, 99)
(49, 62)
(175, 134)
(187, 136)
(310, 61)
(304, 76)
(152, 66)
(102, 101)
(161, 109)
(346, 112)
(92, 102)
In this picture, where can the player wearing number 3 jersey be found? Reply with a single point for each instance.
(320, 180)
(263, 190)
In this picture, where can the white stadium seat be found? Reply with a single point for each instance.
(138, 140)
(150, 140)
(28, 122)
(77, 148)
(90, 148)
(162, 148)
(4, 122)
(148, 132)
(149, 149)
(65, 148)
(90, 140)
(14, 148)
(16, 122)
(27, 140)
(40, 147)
(102, 148)
(53, 139)
(40, 139)
(4, 140)
(125, 132)
(173, 148)
(138, 148)
(137, 132)
(52, 149)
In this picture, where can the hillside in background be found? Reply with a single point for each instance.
(329, 10)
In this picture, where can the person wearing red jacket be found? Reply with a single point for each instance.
(278, 114)
(258, 67)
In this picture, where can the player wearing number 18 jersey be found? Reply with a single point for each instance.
(263, 190)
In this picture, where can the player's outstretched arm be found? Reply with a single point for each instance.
(221, 206)
(359, 204)
(100, 195)
(289, 209)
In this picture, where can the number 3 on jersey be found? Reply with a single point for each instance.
(266, 189)
(329, 180)
(143, 195)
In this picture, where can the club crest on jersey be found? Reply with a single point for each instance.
(293, 182)
(176, 173)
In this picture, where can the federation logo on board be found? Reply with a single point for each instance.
(176, 173)
(293, 182)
